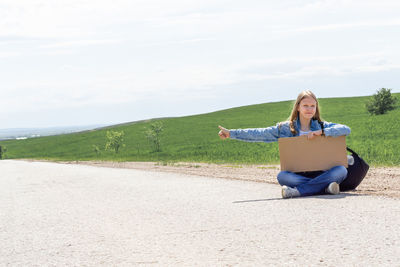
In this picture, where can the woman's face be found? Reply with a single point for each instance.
(307, 107)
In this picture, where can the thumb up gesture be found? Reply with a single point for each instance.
(224, 133)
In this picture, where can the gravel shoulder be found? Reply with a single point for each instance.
(380, 181)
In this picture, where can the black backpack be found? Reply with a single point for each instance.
(355, 172)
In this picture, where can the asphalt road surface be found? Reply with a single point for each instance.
(73, 215)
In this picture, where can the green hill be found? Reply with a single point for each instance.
(195, 139)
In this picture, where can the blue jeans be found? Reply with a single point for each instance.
(312, 186)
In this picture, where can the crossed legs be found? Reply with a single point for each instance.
(312, 186)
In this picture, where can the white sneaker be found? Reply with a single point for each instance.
(333, 188)
(288, 192)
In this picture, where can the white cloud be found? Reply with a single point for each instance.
(75, 18)
(114, 88)
(177, 42)
(76, 21)
(79, 43)
(57, 52)
(282, 68)
(321, 70)
(313, 59)
(9, 54)
(338, 26)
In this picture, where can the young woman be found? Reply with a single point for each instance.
(305, 119)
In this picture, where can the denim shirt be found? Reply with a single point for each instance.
(272, 133)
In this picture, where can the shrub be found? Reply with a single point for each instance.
(3, 150)
(153, 134)
(114, 140)
(96, 149)
(381, 102)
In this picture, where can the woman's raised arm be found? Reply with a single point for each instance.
(269, 134)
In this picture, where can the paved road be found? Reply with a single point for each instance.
(64, 214)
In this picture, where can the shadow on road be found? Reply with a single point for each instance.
(341, 195)
(256, 200)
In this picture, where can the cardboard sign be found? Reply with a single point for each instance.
(299, 154)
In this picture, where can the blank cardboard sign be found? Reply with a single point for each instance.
(299, 154)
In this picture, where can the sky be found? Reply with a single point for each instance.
(85, 62)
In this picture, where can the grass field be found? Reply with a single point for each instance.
(195, 139)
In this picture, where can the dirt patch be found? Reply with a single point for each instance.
(382, 181)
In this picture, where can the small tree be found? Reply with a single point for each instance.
(153, 134)
(3, 151)
(96, 149)
(114, 140)
(381, 102)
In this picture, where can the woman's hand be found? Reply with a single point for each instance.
(224, 133)
(311, 135)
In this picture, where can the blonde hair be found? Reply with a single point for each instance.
(295, 113)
